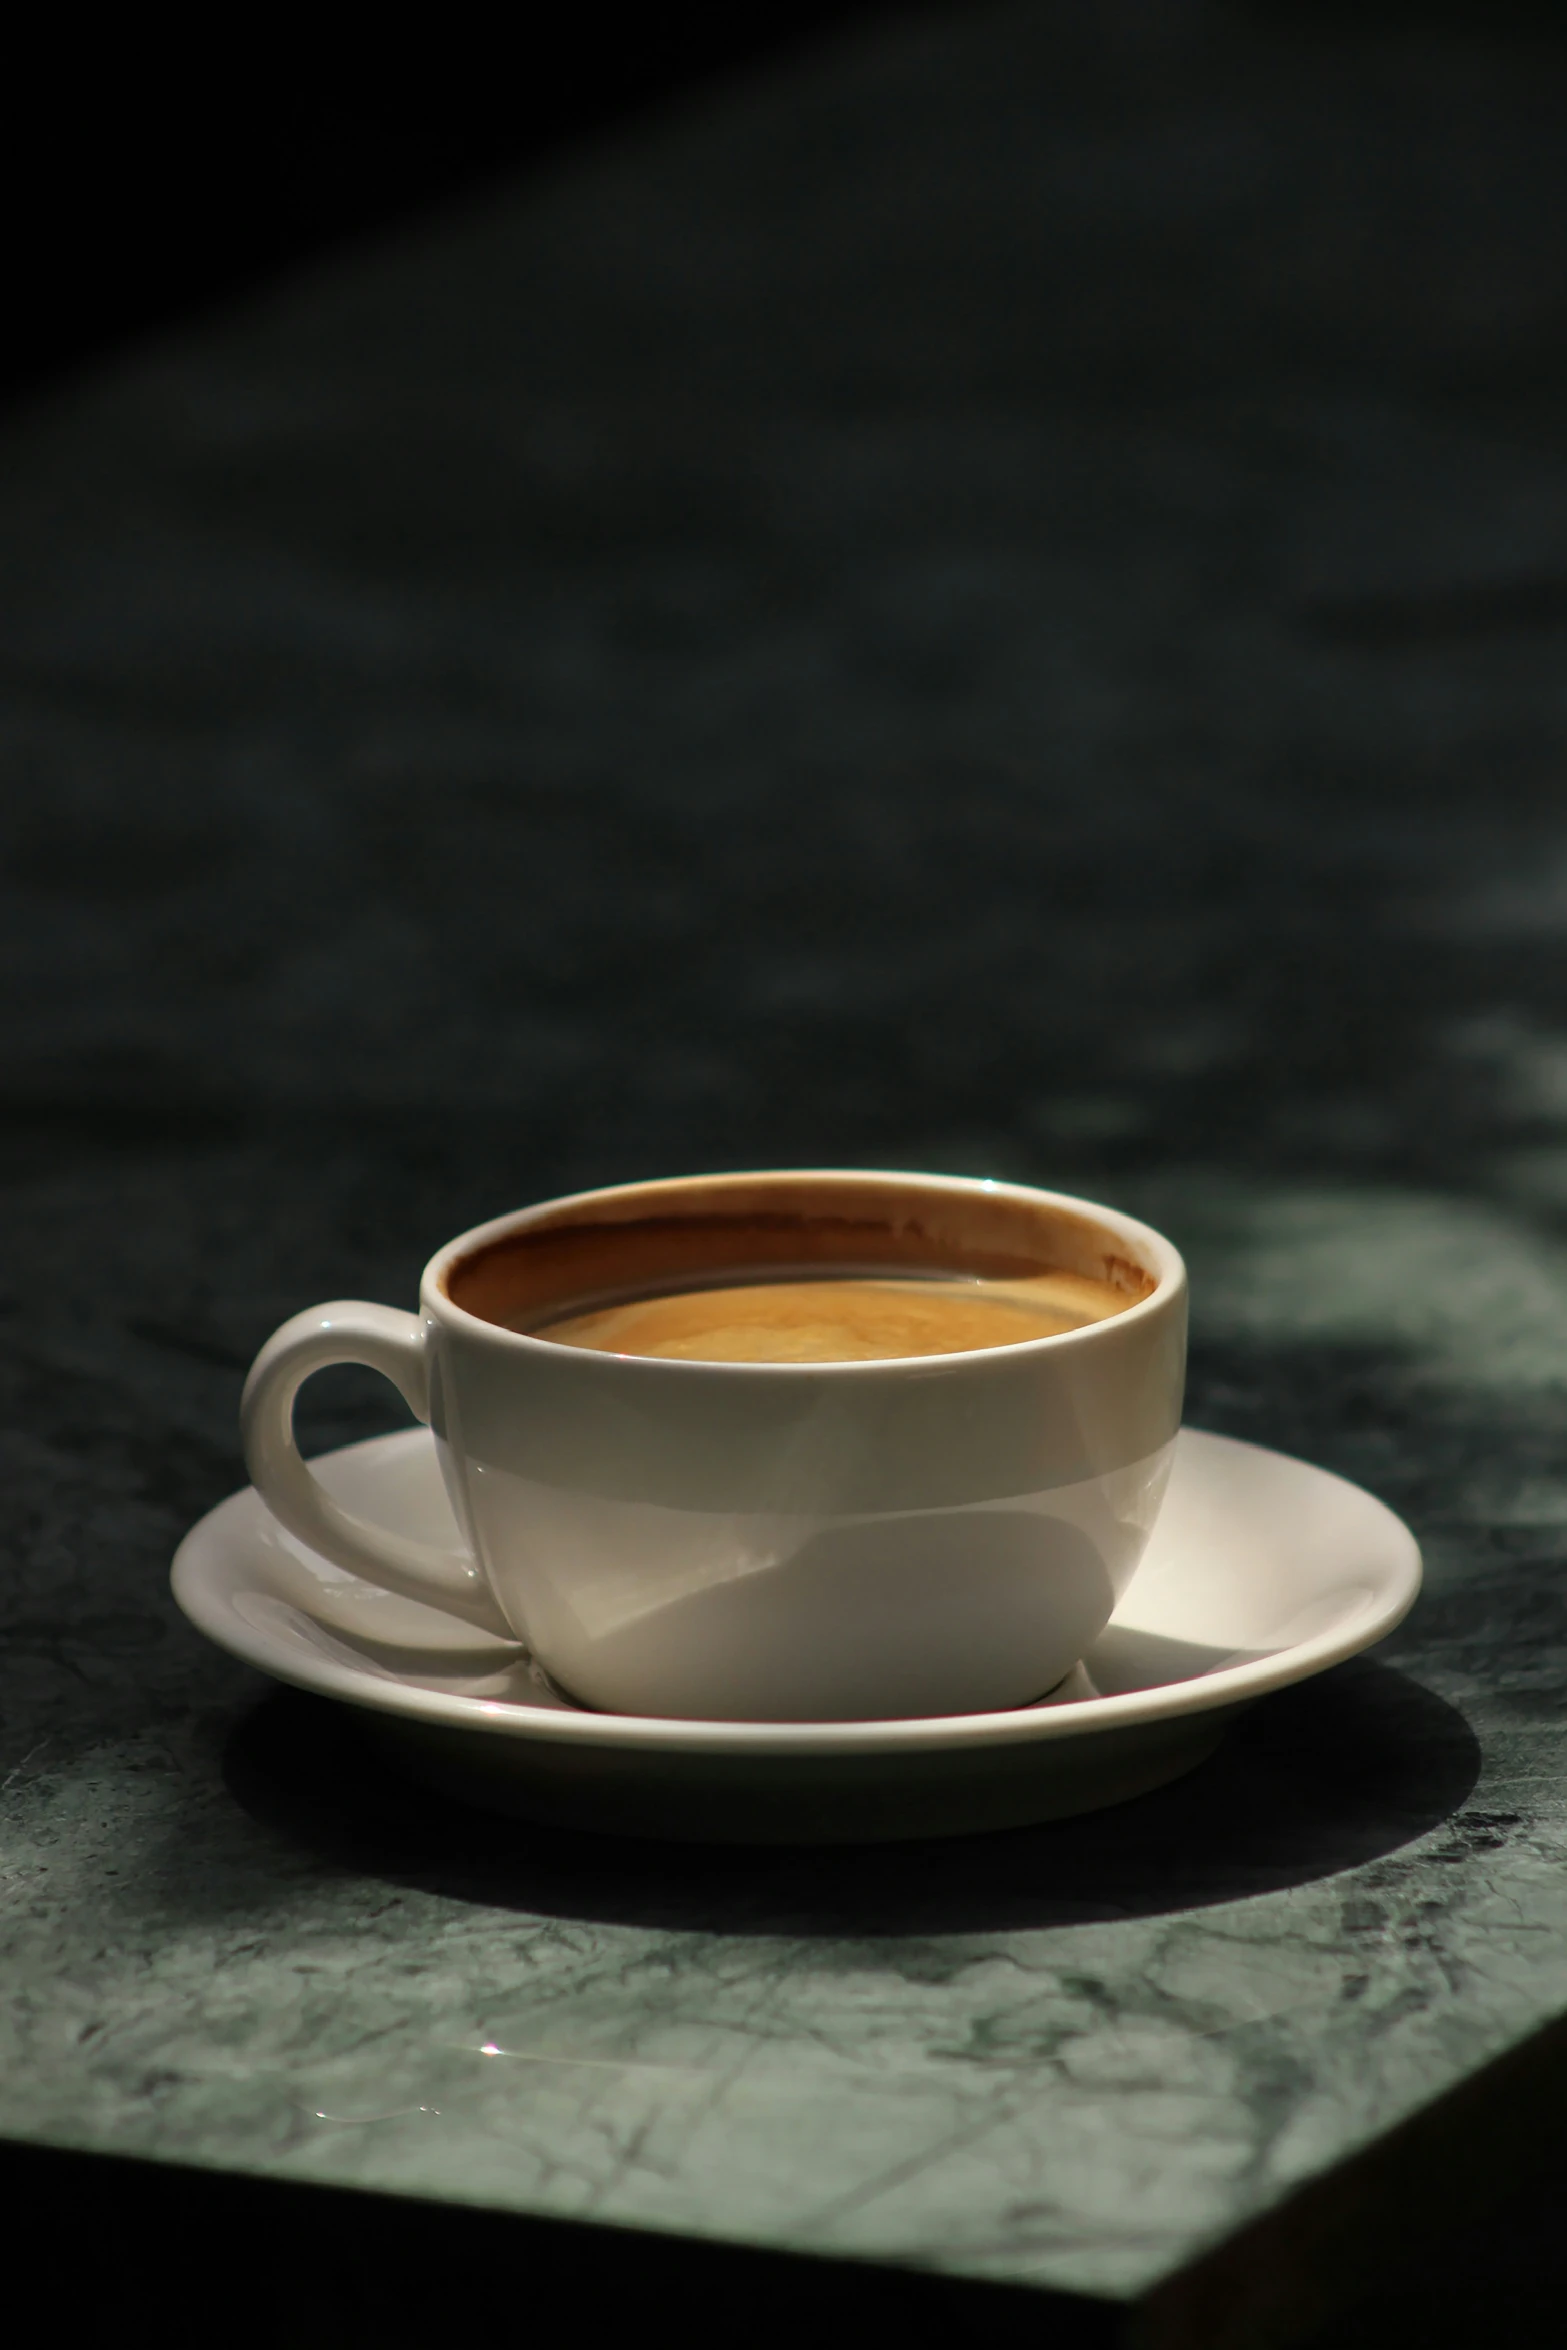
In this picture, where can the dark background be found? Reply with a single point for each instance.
(144, 184)
(146, 177)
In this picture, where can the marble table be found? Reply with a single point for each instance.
(992, 599)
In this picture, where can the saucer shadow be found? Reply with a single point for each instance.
(1340, 1771)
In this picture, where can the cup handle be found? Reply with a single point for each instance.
(393, 1343)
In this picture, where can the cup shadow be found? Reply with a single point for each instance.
(1343, 1770)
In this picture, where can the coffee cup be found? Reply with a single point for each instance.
(694, 1477)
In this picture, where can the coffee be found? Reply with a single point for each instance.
(838, 1268)
(842, 1320)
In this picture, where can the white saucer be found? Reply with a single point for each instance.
(1261, 1572)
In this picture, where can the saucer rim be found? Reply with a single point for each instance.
(205, 1599)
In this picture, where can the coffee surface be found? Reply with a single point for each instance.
(662, 1240)
(843, 1320)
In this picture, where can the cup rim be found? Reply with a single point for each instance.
(1160, 1256)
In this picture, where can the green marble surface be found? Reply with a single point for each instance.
(992, 600)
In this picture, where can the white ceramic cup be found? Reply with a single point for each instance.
(925, 1535)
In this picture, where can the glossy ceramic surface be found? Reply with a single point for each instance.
(1261, 1571)
(927, 1535)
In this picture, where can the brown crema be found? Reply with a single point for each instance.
(798, 1269)
(840, 1321)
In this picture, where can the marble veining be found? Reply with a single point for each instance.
(1079, 2101)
